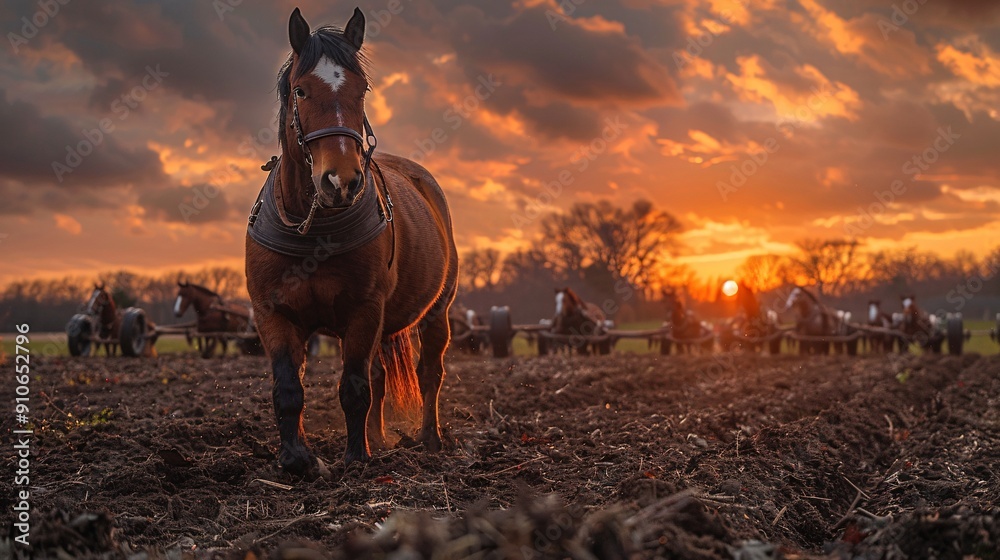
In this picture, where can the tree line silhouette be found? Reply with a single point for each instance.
(619, 257)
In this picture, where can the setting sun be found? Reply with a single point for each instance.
(730, 288)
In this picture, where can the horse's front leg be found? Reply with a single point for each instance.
(358, 347)
(285, 345)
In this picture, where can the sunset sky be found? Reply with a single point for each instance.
(755, 123)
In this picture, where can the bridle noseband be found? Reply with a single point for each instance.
(303, 140)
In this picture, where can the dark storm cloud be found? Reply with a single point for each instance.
(193, 205)
(571, 62)
(715, 120)
(34, 142)
(233, 60)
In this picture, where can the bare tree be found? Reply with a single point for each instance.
(833, 264)
(480, 269)
(762, 273)
(627, 242)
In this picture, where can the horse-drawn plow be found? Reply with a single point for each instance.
(762, 333)
(102, 324)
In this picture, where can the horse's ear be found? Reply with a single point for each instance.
(556, 290)
(298, 31)
(354, 31)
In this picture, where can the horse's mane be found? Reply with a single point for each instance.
(572, 295)
(674, 297)
(327, 41)
(206, 291)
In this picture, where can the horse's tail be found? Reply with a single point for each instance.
(401, 383)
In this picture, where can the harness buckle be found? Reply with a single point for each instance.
(254, 211)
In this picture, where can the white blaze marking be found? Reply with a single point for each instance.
(791, 298)
(470, 315)
(559, 302)
(177, 305)
(907, 302)
(872, 312)
(332, 74)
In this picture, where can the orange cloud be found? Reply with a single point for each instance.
(68, 224)
(757, 83)
(971, 60)
(865, 38)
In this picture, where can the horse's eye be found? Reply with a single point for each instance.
(300, 93)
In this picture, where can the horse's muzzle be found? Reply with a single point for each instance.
(335, 193)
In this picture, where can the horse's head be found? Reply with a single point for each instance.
(567, 302)
(99, 299)
(911, 313)
(874, 310)
(795, 298)
(322, 92)
(672, 301)
(183, 298)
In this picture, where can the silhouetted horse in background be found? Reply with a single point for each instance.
(817, 320)
(109, 322)
(214, 316)
(463, 338)
(879, 342)
(685, 325)
(920, 327)
(577, 319)
(350, 245)
(753, 323)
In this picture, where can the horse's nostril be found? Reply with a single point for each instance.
(355, 183)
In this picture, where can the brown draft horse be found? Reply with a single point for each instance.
(109, 322)
(685, 325)
(463, 338)
(818, 320)
(372, 261)
(577, 318)
(214, 315)
(755, 323)
(878, 341)
(920, 327)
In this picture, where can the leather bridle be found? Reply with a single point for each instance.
(303, 140)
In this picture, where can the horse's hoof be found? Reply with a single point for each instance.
(431, 441)
(297, 462)
(351, 457)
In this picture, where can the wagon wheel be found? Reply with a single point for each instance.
(955, 333)
(80, 335)
(132, 335)
(501, 331)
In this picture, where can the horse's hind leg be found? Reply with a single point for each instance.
(434, 336)
(376, 422)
